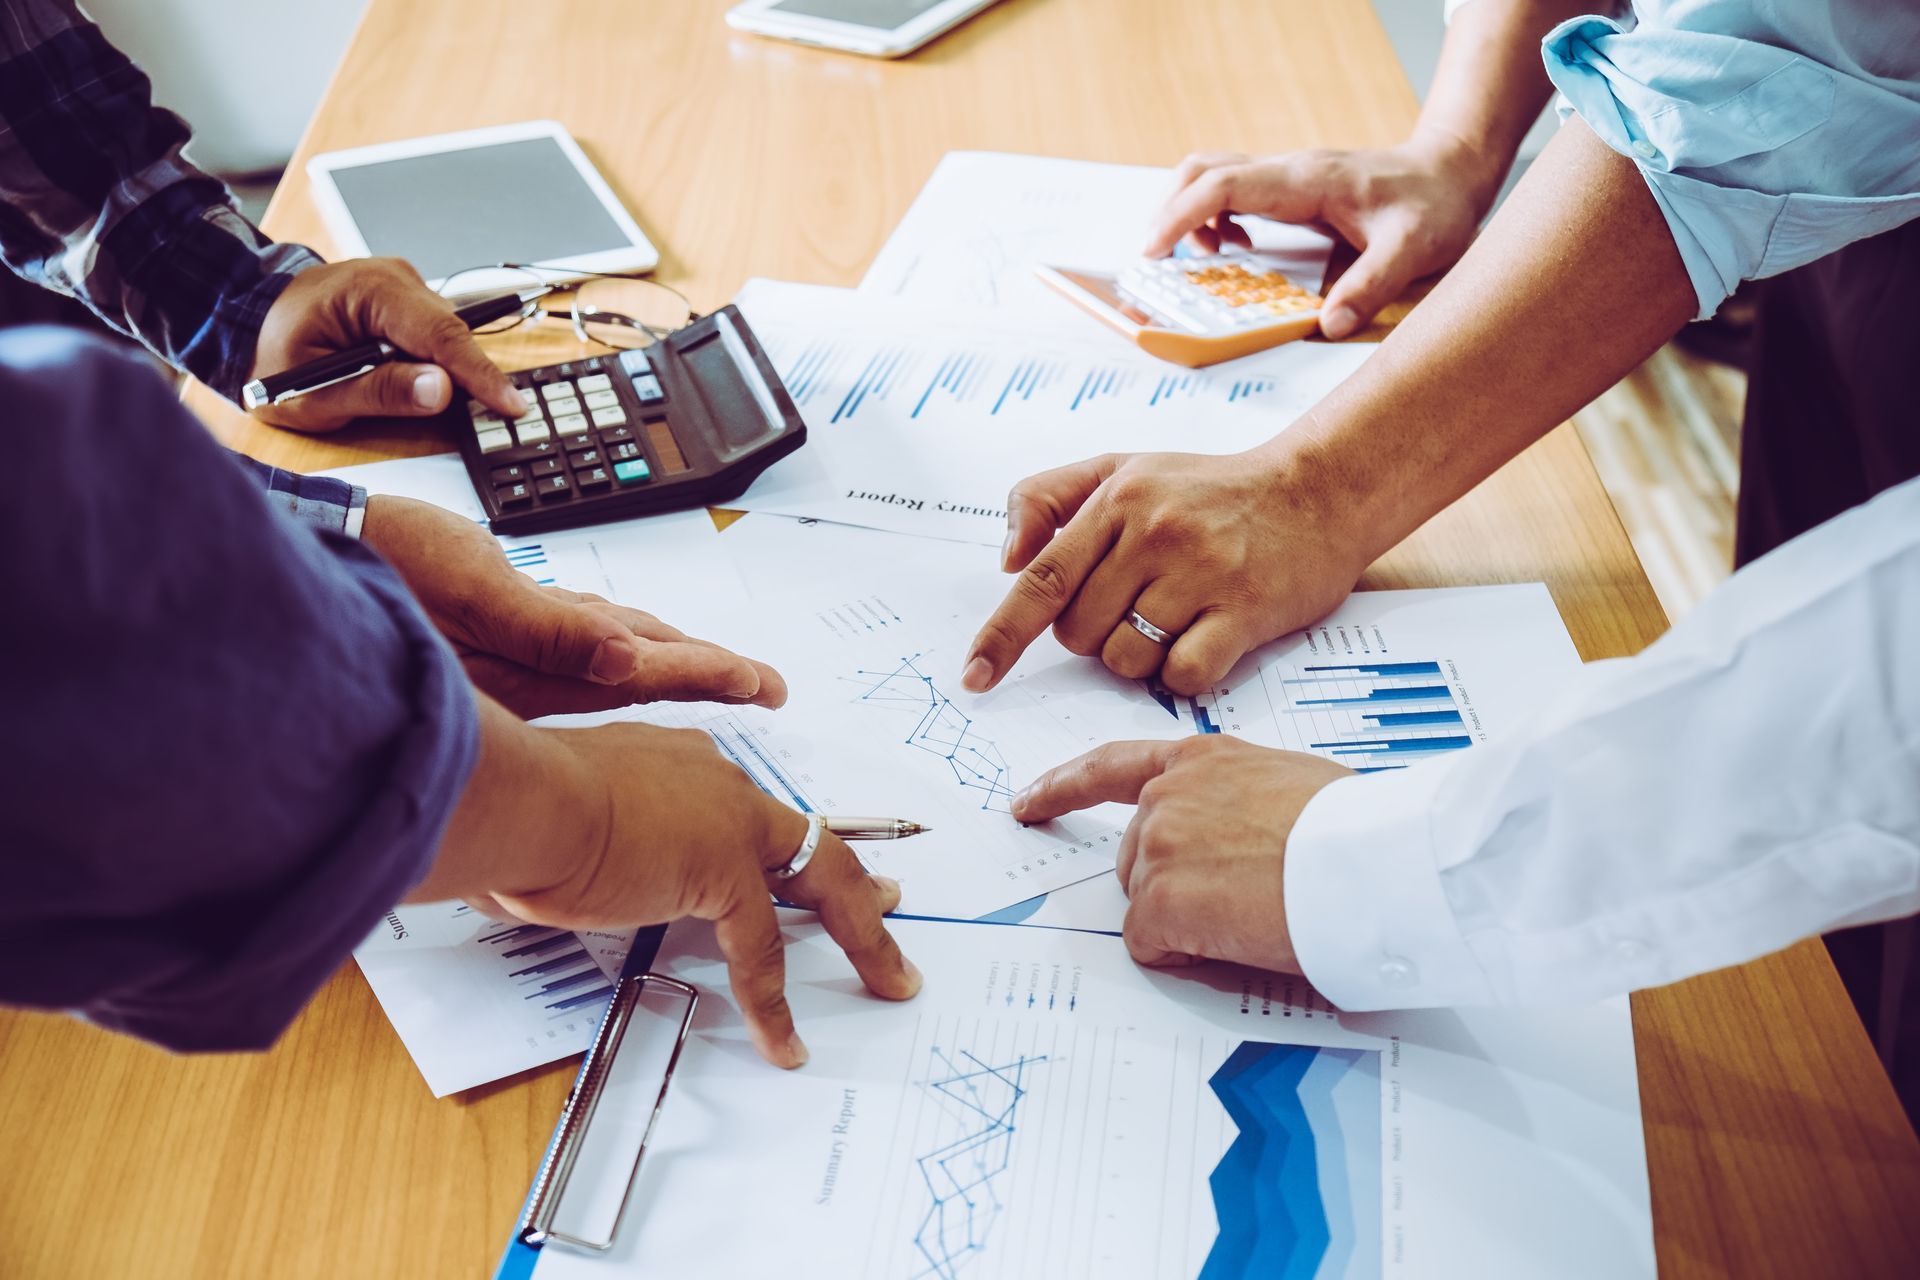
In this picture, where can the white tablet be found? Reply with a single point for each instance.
(877, 28)
(515, 193)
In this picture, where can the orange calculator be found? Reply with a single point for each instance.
(1196, 311)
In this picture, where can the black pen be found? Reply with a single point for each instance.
(302, 379)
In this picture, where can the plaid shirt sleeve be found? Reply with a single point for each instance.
(96, 201)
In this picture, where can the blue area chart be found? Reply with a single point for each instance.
(1297, 1194)
(941, 730)
(964, 1176)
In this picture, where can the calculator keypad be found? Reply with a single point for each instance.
(1223, 294)
(576, 439)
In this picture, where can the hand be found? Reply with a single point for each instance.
(343, 304)
(1224, 552)
(1411, 210)
(630, 824)
(1202, 861)
(541, 650)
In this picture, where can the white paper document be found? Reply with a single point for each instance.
(870, 631)
(985, 220)
(1046, 1108)
(920, 419)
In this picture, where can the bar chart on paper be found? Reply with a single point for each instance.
(1369, 715)
(1394, 678)
(475, 999)
(842, 378)
(921, 418)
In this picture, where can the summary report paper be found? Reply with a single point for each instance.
(1046, 1108)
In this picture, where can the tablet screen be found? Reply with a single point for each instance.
(508, 202)
(883, 14)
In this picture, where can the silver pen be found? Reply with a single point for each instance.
(874, 828)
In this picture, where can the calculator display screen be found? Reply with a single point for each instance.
(883, 14)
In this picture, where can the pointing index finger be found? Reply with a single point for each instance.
(1115, 772)
(1040, 594)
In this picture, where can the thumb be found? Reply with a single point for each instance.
(558, 637)
(399, 390)
(421, 324)
(1042, 503)
(1376, 278)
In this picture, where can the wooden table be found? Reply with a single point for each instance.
(1775, 1142)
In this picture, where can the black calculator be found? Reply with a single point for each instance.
(687, 422)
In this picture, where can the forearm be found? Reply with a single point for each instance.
(1489, 87)
(531, 813)
(1575, 282)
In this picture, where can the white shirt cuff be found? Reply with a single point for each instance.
(1370, 924)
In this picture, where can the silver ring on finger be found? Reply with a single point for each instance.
(809, 845)
(1147, 629)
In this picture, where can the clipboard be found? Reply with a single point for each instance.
(544, 1218)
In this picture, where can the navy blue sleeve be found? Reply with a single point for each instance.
(232, 740)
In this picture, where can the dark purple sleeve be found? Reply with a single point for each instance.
(231, 741)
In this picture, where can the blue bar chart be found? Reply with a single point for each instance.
(1368, 715)
(844, 381)
(550, 968)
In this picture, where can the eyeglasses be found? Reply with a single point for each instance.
(621, 312)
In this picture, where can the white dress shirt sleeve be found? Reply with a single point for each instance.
(1770, 132)
(1751, 779)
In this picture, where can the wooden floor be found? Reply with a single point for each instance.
(1666, 441)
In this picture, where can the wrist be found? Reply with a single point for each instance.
(533, 816)
(1474, 167)
(1313, 485)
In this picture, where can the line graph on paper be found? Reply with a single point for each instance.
(964, 1175)
(940, 729)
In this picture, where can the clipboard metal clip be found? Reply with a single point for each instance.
(550, 1184)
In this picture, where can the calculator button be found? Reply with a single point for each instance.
(587, 457)
(614, 435)
(636, 364)
(562, 407)
(496, 440)
(509, 475)
(548, 467)
(569, 424)
(623, 452)
(591, 478)
(613, 417)
(556, 391)
(534, 433)
(648, 389)
(595, 383)
(531, 415)
(632, 471)
(512, 495)
(551, 487)
(602, 400)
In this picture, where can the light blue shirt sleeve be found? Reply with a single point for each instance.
(1770, 133)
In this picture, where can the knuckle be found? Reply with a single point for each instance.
(1045, 582)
